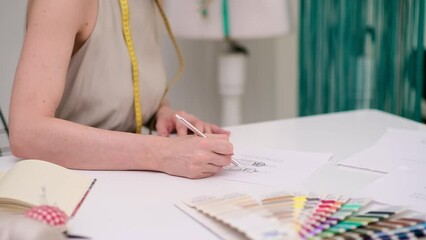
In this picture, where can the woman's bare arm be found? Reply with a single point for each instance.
(55, 28)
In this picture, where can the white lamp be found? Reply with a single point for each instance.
(229, 20)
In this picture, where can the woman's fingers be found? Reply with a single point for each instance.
(195, 157)
(202, 126)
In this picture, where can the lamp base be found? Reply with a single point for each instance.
(232, 69)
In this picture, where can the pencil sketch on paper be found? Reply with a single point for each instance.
(249, 164)
(259, 164)
(273, 167)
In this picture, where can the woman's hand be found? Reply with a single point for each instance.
(167, 123)
(191, 156)
(195, 157)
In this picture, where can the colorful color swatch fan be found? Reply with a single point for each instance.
(311, 216)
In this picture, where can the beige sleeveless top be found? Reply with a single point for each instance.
(98, 90)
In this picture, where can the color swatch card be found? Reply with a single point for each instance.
(244, 214)
(284, 215)
(274, 167)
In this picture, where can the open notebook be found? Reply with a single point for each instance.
(34, 182)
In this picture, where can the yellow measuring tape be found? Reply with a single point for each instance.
(125, 19)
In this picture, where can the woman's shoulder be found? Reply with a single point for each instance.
(75, 10)
(77, 16)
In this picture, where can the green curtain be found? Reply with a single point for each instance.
(361, 54)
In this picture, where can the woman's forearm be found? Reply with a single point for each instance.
(80, 147)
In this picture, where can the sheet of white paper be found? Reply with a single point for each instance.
(274, 167)
(400, 187)
(395, 148)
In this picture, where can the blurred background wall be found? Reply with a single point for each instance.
(12, 14)
(271, 83)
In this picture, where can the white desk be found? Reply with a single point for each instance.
(139, 205)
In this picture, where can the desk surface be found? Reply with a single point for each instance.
(140, 205)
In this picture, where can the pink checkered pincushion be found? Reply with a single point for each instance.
(48, 214)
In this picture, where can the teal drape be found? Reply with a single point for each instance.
(361, 54)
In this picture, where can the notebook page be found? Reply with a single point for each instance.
(38, 182)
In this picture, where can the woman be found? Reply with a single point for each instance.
(72, 102)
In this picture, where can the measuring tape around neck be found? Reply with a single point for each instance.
(125, 19)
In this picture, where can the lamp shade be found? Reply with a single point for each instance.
(248, 19)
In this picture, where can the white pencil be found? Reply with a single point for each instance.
(200, 134)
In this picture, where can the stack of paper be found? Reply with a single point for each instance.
(402, 187)
(401, 154)
(394, 149)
